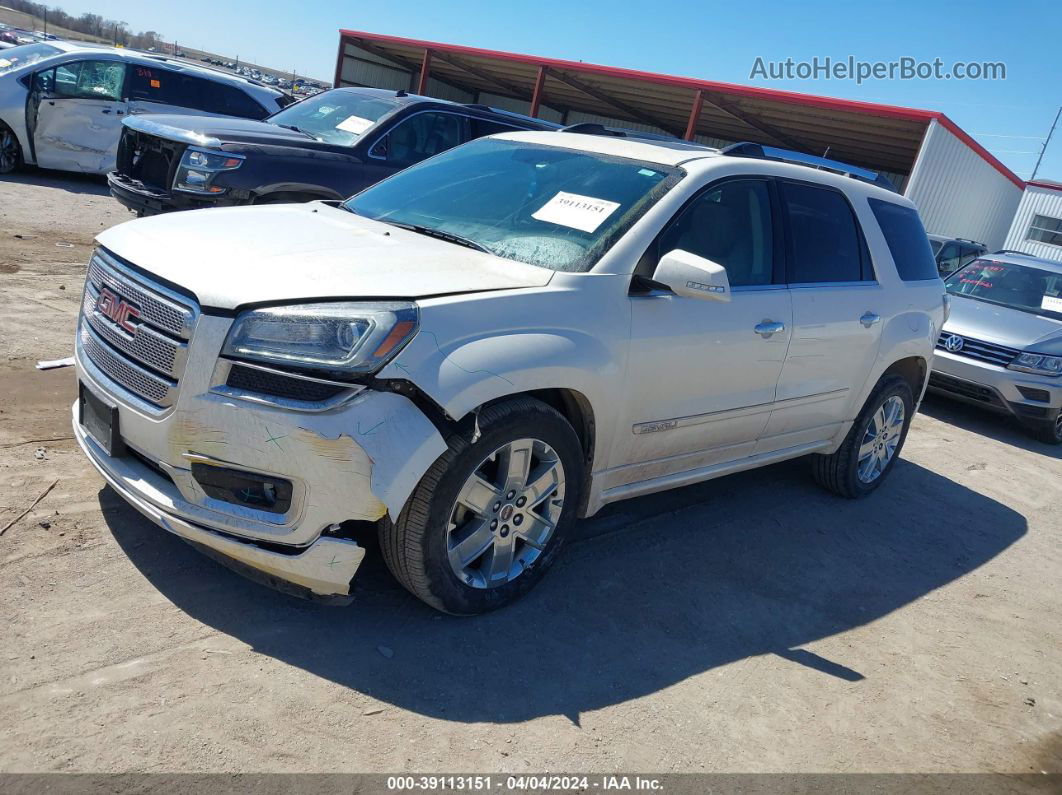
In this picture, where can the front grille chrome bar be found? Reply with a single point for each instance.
(982, 351)
(139, 336)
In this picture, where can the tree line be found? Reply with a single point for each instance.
(89, 24)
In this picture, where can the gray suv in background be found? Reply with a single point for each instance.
(1001, 347)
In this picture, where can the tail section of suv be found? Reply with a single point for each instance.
(470, 355)
(328, 146)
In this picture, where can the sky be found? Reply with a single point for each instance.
(711, 40)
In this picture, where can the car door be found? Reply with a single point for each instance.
(702, 374)
(75, 115)
(838, 308)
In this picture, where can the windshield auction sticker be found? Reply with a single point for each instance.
(355, 124)
(578, 212)
(1052, 303)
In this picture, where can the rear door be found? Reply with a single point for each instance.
(75, 115)
(838, 307)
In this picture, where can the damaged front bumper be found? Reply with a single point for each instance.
(324, 568)
(355, 460)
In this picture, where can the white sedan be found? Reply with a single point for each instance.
(62, 104)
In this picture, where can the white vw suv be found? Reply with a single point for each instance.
(468, 356)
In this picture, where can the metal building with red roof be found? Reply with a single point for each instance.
(960, 188)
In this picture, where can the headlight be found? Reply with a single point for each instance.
(198, 168)
(1037, 363)
(344, 339)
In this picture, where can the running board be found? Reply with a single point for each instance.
(691, 476)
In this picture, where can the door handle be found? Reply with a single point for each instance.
(769, 327)
(869, 319)
(105, 110)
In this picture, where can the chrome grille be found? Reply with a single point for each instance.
(156, 309)
(146, 346)
(980, 350)
(136, 379)
(146, 355)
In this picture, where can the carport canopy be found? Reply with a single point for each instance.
(880, 137)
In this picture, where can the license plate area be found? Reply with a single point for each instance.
(99, 417)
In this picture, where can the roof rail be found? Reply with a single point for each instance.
(967, 240)
(593, 128)
(761, 152)
(1015, 251)
(512, 114)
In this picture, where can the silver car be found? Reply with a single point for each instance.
(62, 104)
(1001, 347)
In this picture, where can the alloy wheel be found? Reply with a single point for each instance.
(880, 439)
(505, 513)
(8, 151)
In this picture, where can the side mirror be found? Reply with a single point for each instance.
(691, 276)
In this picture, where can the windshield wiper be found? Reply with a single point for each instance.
(296, 129)
(449, 237)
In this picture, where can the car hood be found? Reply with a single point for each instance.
(234, 256)
(216, 130)
(1003, 326)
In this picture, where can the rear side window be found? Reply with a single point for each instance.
(907, 240)
(150, 84)
(825, 241)
(230, 101)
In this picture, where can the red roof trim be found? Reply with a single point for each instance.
(1045, 185)
(828, 103)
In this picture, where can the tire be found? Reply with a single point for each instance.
(840, 472)
(1049, 432)
(10, 150)
(434, 529)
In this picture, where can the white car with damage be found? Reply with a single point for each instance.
(468, 356)
(62, 103)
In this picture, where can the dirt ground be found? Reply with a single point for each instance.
(753, 623)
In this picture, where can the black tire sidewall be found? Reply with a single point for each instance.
(893, 387)
(457, 596)
(19, 158)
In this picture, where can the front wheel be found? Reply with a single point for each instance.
(873, 443)
(490, 516)
(10, 151)
(1049, 431)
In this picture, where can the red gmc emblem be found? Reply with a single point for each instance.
(120, 311)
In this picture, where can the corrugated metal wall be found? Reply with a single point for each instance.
(958, 193)
(1036, 201)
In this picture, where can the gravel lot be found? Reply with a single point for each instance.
(753, 623)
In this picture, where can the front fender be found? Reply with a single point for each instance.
(461, 375)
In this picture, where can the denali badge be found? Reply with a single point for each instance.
(653, 427)
(953, 343)
(118, 310)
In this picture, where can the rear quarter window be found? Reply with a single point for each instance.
(906, 238)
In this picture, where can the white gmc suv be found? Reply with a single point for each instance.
(469, 355)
